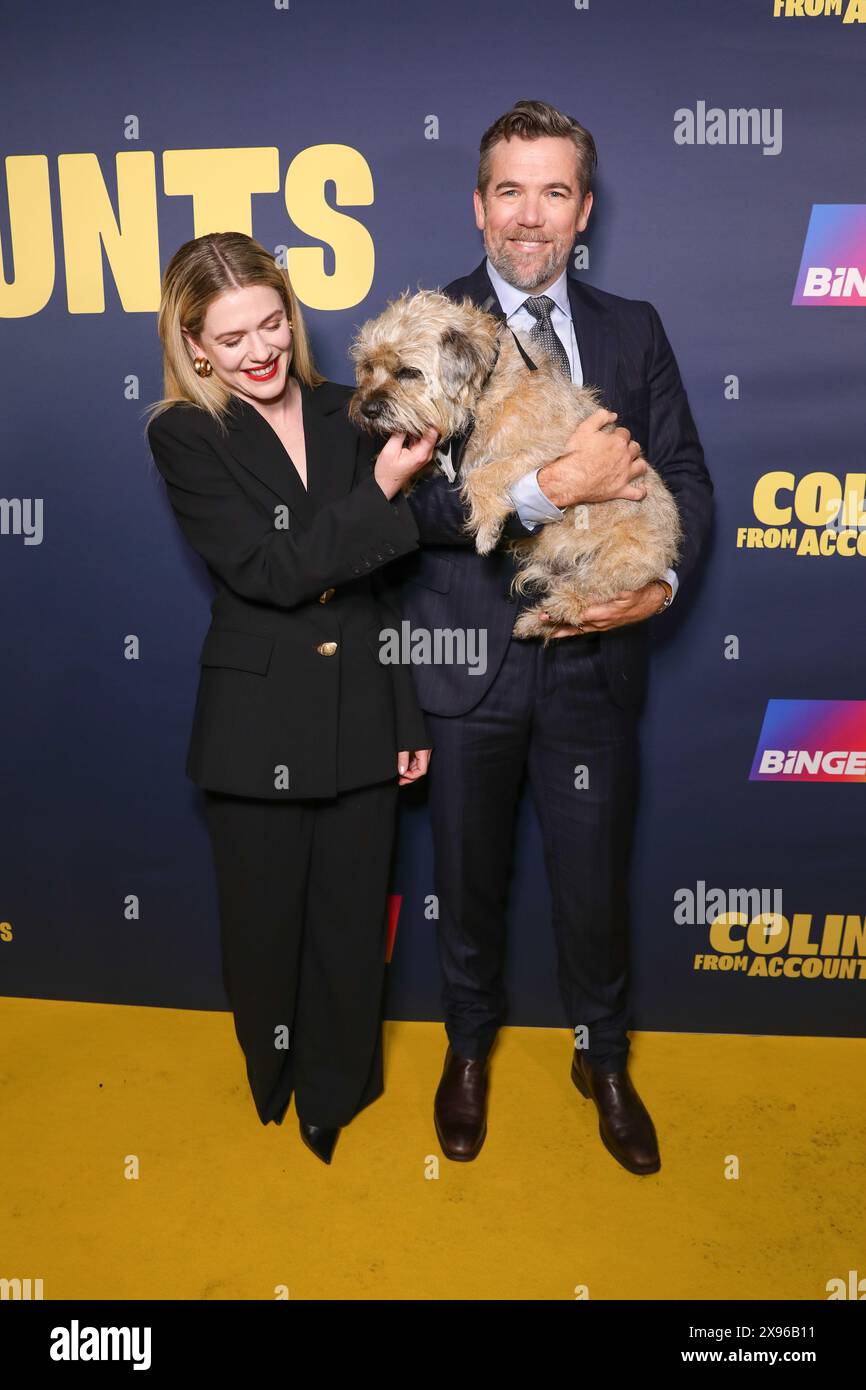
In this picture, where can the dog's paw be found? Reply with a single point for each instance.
(529, 624)
(487, 537)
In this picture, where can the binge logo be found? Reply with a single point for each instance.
(833, 268)
(812, 741)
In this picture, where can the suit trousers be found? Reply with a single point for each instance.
(549, 712)
(302, 888)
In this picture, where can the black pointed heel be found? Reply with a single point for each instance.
(320, 1139)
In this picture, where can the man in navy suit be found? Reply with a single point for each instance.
(566, 713)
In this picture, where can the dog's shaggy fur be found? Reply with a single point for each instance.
(426, 360)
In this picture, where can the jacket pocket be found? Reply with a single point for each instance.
(244, 651)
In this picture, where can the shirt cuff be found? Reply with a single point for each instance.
(671, 577)
(530, 503)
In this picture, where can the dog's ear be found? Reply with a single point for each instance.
(461, 358)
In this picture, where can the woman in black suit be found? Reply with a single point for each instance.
(300, 736)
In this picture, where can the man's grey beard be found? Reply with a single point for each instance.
(524, 277)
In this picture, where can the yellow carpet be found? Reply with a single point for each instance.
(225, 1208)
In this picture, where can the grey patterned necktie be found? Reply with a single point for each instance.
(544, 333)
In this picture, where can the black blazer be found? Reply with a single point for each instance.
(625, 352)
(293, 700)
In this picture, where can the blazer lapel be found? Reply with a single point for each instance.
(597, 341)
(330, 467)
(479, 289)
(331, 444)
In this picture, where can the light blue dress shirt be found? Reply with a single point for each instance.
(530, 502)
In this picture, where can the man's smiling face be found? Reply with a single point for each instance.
(533, 210)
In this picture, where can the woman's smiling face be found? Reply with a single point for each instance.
(247, 339)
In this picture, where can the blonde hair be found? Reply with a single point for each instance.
(197, 273)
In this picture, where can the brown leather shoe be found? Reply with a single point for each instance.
(625, 1126)
(460, 1107)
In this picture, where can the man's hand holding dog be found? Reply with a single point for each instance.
(630, 606)
(599, 464)
(602, 463)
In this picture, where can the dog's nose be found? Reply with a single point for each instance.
(371, 409)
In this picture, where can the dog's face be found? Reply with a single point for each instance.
(422, 362)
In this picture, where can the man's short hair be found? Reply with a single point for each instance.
(530, 119)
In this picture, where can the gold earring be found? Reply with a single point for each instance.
(202, 366)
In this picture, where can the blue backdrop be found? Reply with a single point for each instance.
(349, 135)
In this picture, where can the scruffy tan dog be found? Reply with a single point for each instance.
(426, 360)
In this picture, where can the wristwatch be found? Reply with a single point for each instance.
(669, 594)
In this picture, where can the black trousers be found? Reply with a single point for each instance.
(302, 888)
(548, 711)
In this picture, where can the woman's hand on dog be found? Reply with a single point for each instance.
(396, 463)
(412, 764)
(600, 463)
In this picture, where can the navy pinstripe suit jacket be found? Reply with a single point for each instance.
(625, 352)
